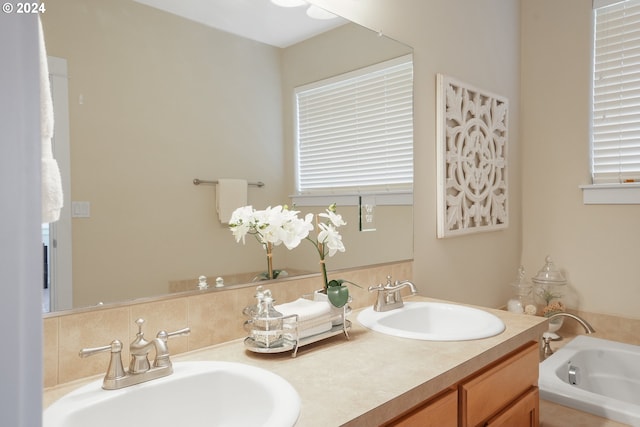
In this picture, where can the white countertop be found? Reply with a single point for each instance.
(372, 377)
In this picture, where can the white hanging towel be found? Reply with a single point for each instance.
(231, 194)
(51, 181)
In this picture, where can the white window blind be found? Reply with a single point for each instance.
(355, 131)
(616, 92)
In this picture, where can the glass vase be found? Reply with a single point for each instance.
(550, 286)
(522, 300)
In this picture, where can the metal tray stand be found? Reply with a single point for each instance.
(291, 334)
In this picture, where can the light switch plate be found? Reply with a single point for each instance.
(81, 209)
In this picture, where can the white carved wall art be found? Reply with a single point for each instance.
(472, 159)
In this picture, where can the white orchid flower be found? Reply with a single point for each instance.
(268, 224)
(273, 225)
(329, 236)
(295, 229)
(241, 222)
(333, 217)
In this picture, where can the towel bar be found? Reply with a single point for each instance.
(197, 181)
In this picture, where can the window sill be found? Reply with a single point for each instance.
(379, 199)
(611, 194)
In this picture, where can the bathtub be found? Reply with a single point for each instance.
(594, 375)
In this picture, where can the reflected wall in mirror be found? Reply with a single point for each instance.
(156, 100)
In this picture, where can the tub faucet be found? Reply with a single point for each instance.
(546, 339)
(389, 296)
(587, 327)
(140, 370)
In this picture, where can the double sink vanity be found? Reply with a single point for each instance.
(377, 377)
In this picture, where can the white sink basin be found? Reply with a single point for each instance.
(196, 394)
(433, 321)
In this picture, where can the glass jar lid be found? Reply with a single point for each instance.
(549, 274)
(521, 285)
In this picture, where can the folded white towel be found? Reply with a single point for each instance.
(52, 197)
(307, 332)
(306, 310)
(314, 317)
(231, 194)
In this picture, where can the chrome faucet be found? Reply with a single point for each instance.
(587, 327)
(140, 370)
(139, 349)
(389, 296)
(546, 339)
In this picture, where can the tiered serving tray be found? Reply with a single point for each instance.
(291, 334)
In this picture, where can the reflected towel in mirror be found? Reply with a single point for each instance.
(52, 198)
(231, 194)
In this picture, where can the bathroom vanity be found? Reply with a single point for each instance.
(502, 394)
(375, 379)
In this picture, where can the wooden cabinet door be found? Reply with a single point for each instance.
(439, 412)
(523, 413)
(495, 388)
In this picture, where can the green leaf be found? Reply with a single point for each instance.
(335, 282)
(338, 295)
(340, 282)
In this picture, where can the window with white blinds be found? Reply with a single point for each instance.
(355, 131)
(616, 92)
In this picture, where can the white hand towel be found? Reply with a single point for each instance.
(314, 317)
(231, 194)
(52, 197)
(306, 310)
(309, 331)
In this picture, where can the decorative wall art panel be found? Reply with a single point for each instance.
(472, 159)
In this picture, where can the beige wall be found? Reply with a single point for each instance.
(477, 42)
(164, 101)
(596, 244)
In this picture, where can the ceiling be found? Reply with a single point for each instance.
(258, 20)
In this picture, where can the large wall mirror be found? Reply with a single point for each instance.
(156, 100)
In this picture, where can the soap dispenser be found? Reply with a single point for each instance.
(251, 311)
(267, 324)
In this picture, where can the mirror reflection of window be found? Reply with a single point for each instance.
(355, 131)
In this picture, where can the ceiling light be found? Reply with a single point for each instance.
(318, 13)
(289, 3)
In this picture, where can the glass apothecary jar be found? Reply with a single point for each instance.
(266, 324)
(522, 300)
(550, 284)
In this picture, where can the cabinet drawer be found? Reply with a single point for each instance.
(439, 412)
(523, 412)
(487, 393)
